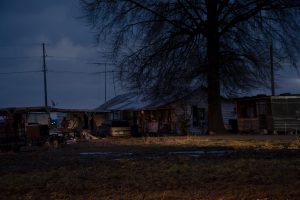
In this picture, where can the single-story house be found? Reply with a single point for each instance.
(184, 114)
(269, 114)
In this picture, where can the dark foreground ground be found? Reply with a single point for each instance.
(208, 167)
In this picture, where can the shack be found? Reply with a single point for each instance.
(183, 114)
(269, 114)
(14, 126)
(23, 125)
(77, 119)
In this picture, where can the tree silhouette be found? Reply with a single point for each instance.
(169, 46)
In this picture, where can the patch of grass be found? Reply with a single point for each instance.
(63, 174)
(247, 142)
(295, 144)
(161, 178)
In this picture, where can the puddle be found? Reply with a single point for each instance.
(187, 152)
(122, 159)
(193, 153)
(95, 153)
(132, 156)
(104, 154)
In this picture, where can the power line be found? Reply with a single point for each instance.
(20, 57)
(76, 59)
(71, 57)
(101, 63)
(20, 72)
(66, 71)
(103, 72)
(61, 71)
(81, 72)
(19, 45)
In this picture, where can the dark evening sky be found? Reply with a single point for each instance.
(70, 47)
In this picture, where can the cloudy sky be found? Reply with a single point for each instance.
(70, 47)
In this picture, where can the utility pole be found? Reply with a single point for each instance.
(105, 81)
(113, 76)
(105, 74)
(45, 77)
(272, 71)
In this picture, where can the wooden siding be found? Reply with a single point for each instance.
(254, 115)
(248, 125)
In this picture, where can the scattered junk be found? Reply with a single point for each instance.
(125, 115)
(51, 127)
(54, 140)
(269, 114)
(87, 135)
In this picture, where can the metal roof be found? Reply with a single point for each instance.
(130, 101)
(134, 101)
(44, 109)
(260, 97)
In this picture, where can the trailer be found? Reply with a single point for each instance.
(269, 114)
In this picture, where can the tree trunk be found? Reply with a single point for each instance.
(215, 118)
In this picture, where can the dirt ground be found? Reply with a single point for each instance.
(206, 167)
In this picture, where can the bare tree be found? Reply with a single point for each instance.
(164, 46)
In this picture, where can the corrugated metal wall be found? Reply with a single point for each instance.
(286, 113)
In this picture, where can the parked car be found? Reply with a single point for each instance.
(115, 128)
